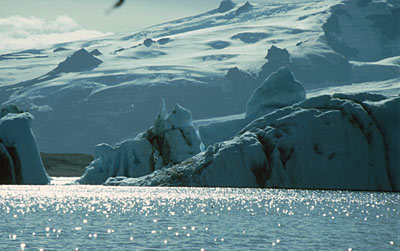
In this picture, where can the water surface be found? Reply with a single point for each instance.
(145, 218)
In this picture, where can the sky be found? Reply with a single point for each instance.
(26, 24)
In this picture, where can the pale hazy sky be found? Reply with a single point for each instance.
(91, 14)
(34, 24)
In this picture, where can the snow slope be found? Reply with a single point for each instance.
(114, 95)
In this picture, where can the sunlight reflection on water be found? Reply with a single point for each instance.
(129, 218)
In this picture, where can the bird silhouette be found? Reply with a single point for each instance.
(116, 5)
(119, 3)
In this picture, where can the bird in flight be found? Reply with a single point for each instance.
(119, 3)
(116, 5)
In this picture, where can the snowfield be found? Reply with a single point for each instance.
(296, 94)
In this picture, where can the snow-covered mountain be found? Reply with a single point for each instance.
(108, 89)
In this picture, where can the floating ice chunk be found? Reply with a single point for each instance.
(171, 140)
(20, 162)
(129, 158)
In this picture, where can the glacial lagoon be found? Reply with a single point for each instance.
(76, 217)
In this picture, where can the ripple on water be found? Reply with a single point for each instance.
(96, 217)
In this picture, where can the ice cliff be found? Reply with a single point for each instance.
(20, 162)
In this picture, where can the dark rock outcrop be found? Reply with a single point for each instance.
(226, 5)
(244, 8)
(312, 69)
(148, 42)
(96, 52)
(79, 61)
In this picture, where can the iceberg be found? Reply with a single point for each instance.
(340, 141)
(169, 141)
(280, 89)
(129, 158)
(20, 161)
